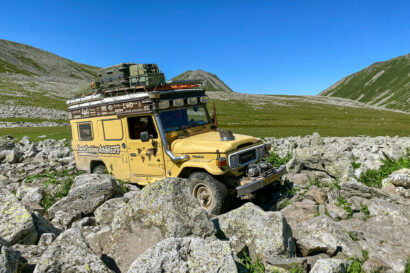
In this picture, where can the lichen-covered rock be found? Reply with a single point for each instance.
(186, 255)
(321, 234)
(400, 178)
(12, 156)
(6, 143)
(334, 162)
(160, 210)
(70, 253)
(9, 261)
(329, 266)
(31, 255)
(300, 211)
(87, 193)
(16, 224)
(266, 234)
(43, 225)
(168, 205)
(104, 214)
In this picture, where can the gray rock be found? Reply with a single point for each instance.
(186, 255)
(337, 213)
(315, 139)
(375, 264)
(289, 263)
(317, 194)
(400, 178)
(31, 254)
(30, 193)
(300, 211)
(6, 143)
(63, 220)
(43, 225)
(334, 162)
(88, 192)
(329, 266)
(46, 239)
(265, 234)
(321, 234)
(160, 210)
(12, 156)
(85, 222)
(70, 253)
(104, 214)
(16, 224)
(9, 260)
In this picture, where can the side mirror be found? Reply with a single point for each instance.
(144, 136)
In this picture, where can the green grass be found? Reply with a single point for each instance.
(63, 180)
(395, 79)
(373, 178)
(59, 132)
(276, 160)
(341, 202)
(35, 120)
(6, 67)
(301, 118)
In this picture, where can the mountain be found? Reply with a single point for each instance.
(33, 77)
(211, 82)
(385, 84)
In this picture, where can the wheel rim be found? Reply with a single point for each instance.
(203, 195)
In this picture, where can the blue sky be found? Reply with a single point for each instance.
(292, 47)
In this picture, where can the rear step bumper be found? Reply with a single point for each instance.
(261, 182)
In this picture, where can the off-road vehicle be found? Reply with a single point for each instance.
(144, 133)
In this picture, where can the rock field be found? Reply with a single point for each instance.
(319, 218)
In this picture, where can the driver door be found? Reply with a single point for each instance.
(146, 158)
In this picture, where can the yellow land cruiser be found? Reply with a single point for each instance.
(144, 136)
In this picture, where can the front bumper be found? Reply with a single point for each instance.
(260, 182)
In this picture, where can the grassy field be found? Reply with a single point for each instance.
(303, 118)
(269, 120)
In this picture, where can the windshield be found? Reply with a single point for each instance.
(183, 118)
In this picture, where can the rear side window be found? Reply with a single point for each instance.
(85, 131)
(112, 129)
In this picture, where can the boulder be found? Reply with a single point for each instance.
(265, 234)
(317, 194)
(87, 193)
(70, 253)
(6, 143)
(336, 212)
(46, 239)
(31, 255)
(16, 224)
(375, 264)
(334, 162)
(160, 210)
(12, 156)
(186, 255)
(43, 225)
(300, 211)
(104, 214)
(329, 266)
(9, 260)
(321, 234)
(400, 178)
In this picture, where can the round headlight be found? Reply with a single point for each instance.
(163, 104)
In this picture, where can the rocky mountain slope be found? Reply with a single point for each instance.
(33, 77)
(322, 218)
(211, 82)
(384, 84)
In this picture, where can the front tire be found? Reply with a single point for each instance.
(209, 192)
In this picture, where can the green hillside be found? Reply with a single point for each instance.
(382, 84)
(211, 82)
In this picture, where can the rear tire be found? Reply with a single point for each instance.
(100, 169)
(209, 192)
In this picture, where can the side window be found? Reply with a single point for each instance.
(85, 131)
(136, 125)
(112, 129)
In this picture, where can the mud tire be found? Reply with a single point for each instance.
(209, 192)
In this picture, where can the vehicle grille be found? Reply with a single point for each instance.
(247, 156)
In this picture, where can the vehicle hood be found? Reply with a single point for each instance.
(209, 142)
